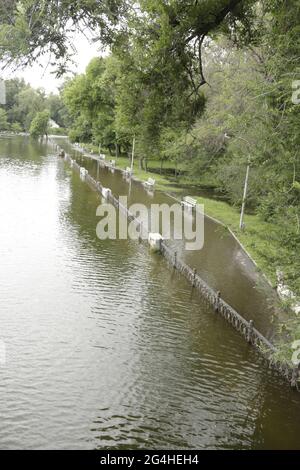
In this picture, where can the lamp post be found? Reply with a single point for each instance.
(246, 182)
(245, 195)
(132, 155)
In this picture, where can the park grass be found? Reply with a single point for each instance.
(161, 182)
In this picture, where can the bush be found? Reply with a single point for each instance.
(58, 131)
(16, 127)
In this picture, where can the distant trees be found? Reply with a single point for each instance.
(3, 120)
(24, 102)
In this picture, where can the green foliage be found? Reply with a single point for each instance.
(16, 127)
(39, 125)
(4, 125)
(23, 102)
(57, 131)
(58, 111)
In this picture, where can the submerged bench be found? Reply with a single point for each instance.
(128, 172)
(150, 183)
(106, 192)
(83, 172)
(189, 202)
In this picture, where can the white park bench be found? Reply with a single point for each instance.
(106, 192)
(189, 202)
(128, 171)
(150, 183)
(83, 172)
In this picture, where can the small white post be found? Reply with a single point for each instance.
(132, 155)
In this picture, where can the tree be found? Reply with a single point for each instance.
(29, 102)
(39, 125)
(16, 127)
(90, 99)
(29, 28)
(3, 120)
(57, 109)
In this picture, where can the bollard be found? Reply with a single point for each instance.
(194, 277)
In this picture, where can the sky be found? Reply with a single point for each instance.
(40, 76)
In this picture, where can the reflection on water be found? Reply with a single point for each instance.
(107, 347)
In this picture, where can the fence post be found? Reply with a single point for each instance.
(194, 277)
(175, 259)
(217, 303)
(250, 331)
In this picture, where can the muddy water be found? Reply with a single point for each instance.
(108, 348)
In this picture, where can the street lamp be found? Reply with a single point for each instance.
(132, 155)
(246, 182)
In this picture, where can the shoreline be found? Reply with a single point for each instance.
(163, 184)
(246, 328)
(257, 247)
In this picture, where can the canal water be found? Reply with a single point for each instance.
(106, 347)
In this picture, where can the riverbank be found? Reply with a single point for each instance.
(278, 358)
(259, 239)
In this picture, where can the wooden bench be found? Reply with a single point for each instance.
(189, 202)
(150, 183)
